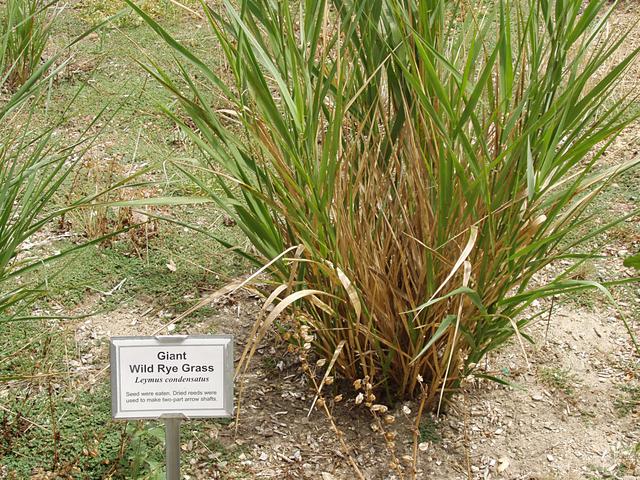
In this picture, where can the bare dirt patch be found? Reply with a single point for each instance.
(561, 419)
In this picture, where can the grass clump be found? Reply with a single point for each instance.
(429, 431)
(561, 379)
(26, 26)
(628, 401)
(419, 161)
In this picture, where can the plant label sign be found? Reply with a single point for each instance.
(172, 376)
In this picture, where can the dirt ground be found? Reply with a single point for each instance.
(559, 420)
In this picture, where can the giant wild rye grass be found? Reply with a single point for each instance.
(428, 158)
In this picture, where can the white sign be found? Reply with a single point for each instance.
(172, 376)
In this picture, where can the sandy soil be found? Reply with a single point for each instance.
(558, 421)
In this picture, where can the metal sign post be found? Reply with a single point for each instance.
(172, 378)
(172, 447)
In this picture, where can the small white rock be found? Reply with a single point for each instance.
(503, 464)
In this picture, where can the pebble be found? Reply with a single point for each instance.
(503, 464)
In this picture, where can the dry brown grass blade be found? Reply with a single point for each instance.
(294, 267)
(351, 290)
(227, 289)
(272, 298)
(184, 7)
(221, 292)
(252, 343)
(452, 345)
(461, 259)
(516, 330)
(321, 305)
(256, 325)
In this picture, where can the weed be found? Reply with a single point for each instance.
(88, 441)
(561, 379)
(429, 430)
(99, 219)
(628, 461)
(629, 401)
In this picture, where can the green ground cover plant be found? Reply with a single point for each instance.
(421, 163)
(92, 10)
(34, 165)
(561, 379)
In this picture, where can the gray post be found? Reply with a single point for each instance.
(172, 444)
